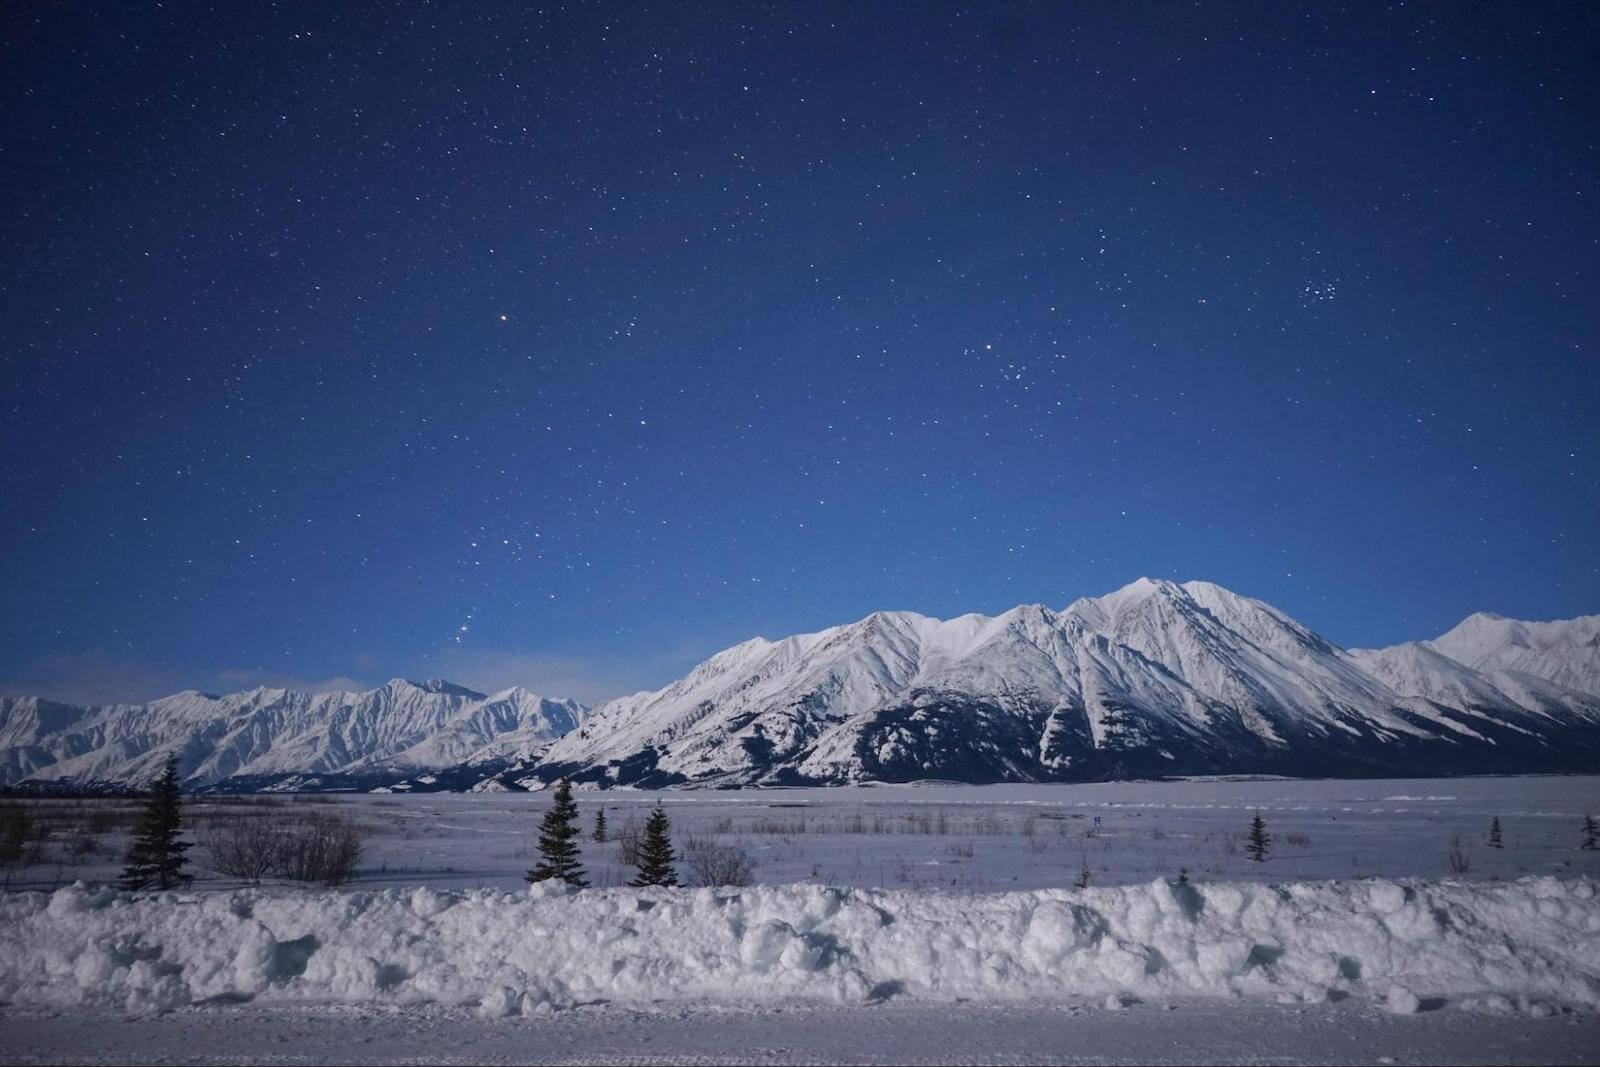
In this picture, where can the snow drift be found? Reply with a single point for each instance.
(1394, 942)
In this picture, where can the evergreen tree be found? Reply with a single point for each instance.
(1259, 840)
(1591, 834)
(156, 856)
(599, 833)
(558, 841)
(1495, 839)
(655, 852)
(1183, 876)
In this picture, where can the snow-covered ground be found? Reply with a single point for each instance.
(890, 925)
(1530, 946)
(965, 838)
(1069, 1031)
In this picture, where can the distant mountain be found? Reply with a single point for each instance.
(1566, 653)
(1155, 679)
(277, 737)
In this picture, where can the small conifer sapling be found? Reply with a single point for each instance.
(1496, 839)
(1259, 840)
(1591, 834)
(558, 841)
(599, 833)
(655, 852)
(156, 856)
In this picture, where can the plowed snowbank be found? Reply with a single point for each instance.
(508, 953)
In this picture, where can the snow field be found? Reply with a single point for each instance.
(1522, 946)
(947, 838)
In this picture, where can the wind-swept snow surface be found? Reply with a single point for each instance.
(1535, 942)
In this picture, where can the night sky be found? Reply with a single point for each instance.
(565, 347)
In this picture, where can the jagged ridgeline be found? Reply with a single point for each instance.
(1155, 679)
(280, 738)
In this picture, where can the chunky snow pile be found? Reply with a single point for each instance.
(1394, 943)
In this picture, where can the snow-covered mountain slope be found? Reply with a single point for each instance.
(245, 737)
(1155, 678)
(1566, 652)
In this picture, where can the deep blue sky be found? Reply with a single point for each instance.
(569, 347)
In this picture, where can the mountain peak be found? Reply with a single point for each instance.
(1156, 678)
(1104, 611)
(403, 724)
(434, 685)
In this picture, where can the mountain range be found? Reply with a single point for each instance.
(1156, 679)
(276, 738)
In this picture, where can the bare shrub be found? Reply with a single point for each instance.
(81, 845)
(15, 832)
(629, 838)
(322, 848)
(1297, 839)
(247, 847)
(712, 863)
(1459, 857)
(111, 816)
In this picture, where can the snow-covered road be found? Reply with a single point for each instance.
(1073, 1031)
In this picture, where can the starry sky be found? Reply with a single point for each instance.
(566, 345)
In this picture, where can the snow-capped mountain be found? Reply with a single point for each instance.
(1565, 652)
(259, 736)
(1156, 678)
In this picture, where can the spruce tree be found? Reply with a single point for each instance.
(558, 841)
(1495, 838)
(1591, 834)
(655, 852)
(156, 856)
(1259, 840)
(599, 826)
